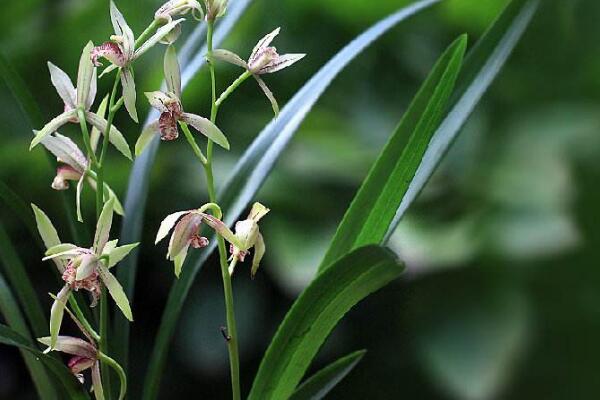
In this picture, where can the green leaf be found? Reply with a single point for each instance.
(481, 67)
(368, 218)
(314, 315)
(317, 386)
(137, 193)
(246, 180)
(119, 253)
(58, 369)
(48, 233)
(12, 314)
(103, 226)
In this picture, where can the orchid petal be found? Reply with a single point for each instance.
(146, 136)
(103, 226)
(71, 345)
(85, 76)
(52, 126)
(123, 30)
(257, 212)
(97, 382)
(86, 268)
(108, 70)
(79, 364)
(172, 71)
(180, 260)
(221, 229)
(116, 291)
(61, 248)
(167, 224)
(115, 136)
(64, 86)
(263, 44)
(160, 33)
(229, 57)
(281, 62)
(110, 246)
(159, 100)
(48, 233)
(182, 234)
(129, 94)
(110, 194)
(119, 253)
(95, 134)
(207, 128)
(78, 196)
(56, 314)
(93, 90)
(259, 252)
(269, 94)
(66, 151)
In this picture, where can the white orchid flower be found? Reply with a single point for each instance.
(84, 268)
(121, 52)
(173, 8)
(81, 97)
(263, 60)
(171, 109)
(74, 166)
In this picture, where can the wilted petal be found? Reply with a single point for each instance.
(269, 94)
(281, 62)
(229, 57)
(85, 76)
(129, 94)
(116, 291)
(159, 100)
(167, 125)
(79, 364)
(146, 136)
(259, 252)
(63, 85)
(64, 174)
(187, 227)
(97, 382)
(66, 151)
(122, 30)
(221, 229)
(172, 72)
(167, 224)
(207, 128)
(110, 51)
(262, 45)
(52, 126)
(115, 136)
(103, 227)
(48, 233)
(119, 253)
(56, 315)
(71, 345)
(160, 33)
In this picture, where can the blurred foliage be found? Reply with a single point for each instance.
(501, 296)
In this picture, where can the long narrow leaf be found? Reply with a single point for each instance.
(374, 207)
(20, 282)
(12, 314)
(314, 315)
(72, 387)
(252, 170)
(137, 191)
(317, 386)
(481, 68)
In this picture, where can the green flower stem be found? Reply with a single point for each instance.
(86, 136)
(147, 33)
(82, 319)
(192, 142)
(106, 360)
(241, 79)
(232, 342)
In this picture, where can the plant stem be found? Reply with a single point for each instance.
(192, 142)
(147, 32)
(118, 369)
(232, 343)
(82, 319)
(232, 87)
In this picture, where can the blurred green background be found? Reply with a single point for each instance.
(501, 298)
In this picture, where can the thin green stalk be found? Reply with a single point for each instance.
(232, 337)
(241, 79)
(86, 136)
(147, 32)
(192, 142)
(106, 360)
(82, 319)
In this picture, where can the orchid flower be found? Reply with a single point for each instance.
(85, 268)
(81, 97)
(85, 355)
(171, 109)
(248, 236)
(121, 52)
(263, 60)
(173, 8)
(215, 9)
(74, 166)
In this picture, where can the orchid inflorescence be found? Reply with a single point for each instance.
(88, 269)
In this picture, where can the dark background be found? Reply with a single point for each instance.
(501, 298)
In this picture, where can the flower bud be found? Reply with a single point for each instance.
(174, 8)
(215, 9)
